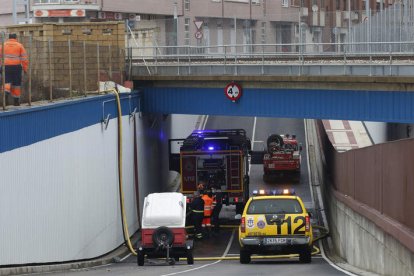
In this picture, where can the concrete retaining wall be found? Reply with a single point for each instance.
(360, 235)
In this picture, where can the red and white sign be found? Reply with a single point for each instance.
(59, 13)
(233, 91)
(198, 35)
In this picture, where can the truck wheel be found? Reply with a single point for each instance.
(305, 256)
(140, 258)
(162, 236)
(190, 258)
(244, 256)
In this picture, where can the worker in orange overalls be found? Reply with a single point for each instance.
(15, 59)
(208, 210)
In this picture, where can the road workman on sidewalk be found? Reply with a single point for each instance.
(15, 59)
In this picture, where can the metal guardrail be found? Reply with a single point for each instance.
(345, 57)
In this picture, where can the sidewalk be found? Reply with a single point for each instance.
(346, 135)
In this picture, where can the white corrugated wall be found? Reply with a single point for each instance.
(60, 197)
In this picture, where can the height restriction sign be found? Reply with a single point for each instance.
(233, 91)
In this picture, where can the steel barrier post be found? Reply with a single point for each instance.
(70, 67)
(110, 61)
(225, 59)
(50, 70)
(121, 75)
(235, 63)
(84, 68)
(3, 73)
(262, 59)
(189, 60)
(390, 51)
(98, 67)
(178, 59)
(345, 60)
(30, 68)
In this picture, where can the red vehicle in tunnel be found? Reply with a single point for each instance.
(219, 158)
(282, 157)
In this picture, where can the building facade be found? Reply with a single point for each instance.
(285, 24)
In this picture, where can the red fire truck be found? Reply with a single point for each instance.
(282, 158)
(220, 159)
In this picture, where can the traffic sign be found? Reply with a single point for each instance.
(233, 91)
(198, 35)
(198, 24)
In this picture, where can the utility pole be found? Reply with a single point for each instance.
(175, 26)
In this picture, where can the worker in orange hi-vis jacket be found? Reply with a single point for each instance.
(208, 210)
(15, 60)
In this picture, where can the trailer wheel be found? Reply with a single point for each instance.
(162, 237)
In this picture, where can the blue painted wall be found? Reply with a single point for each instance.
(26, 126)
(381, 106)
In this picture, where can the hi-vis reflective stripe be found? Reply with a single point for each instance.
(197, 211)
(15, 57)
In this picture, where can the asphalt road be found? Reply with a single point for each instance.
(225, 244)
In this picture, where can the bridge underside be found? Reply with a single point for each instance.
(361, 99)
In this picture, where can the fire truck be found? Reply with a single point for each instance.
(282, 157)
(220, 159)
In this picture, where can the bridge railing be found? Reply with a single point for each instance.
(302, 58)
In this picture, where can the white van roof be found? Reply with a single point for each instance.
(164, 209)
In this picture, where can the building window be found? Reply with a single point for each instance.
(187, 31)
(187, 5)
(285, 3)
(46, 2)
(263, 32)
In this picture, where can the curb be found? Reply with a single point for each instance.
(109, 258)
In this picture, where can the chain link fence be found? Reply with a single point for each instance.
(65, 69)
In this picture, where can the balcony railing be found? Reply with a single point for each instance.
(65, 2)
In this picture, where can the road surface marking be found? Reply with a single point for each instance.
(206, 265)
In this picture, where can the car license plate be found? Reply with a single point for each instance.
(274, 240)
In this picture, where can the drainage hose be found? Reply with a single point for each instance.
(121, 191)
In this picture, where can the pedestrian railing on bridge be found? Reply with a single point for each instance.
(374, 58)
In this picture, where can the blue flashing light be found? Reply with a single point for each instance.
(210, 148)
(274, 192)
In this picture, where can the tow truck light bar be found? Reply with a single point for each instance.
(262, 192)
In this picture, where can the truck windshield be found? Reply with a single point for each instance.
(274, 206)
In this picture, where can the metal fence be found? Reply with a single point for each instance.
(289, 29)
(392, 24)
(64, 69)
